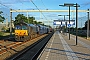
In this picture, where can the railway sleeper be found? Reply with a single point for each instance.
(14, 57)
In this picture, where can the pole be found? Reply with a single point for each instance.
(27, 15)
(88, 25)
(69, 22)
(76, 22)
(6, 22)
(64, 17)
(65, 24)
(11, 23)
(64, 21)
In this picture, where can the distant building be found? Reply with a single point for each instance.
(7, 25)
(1, 26)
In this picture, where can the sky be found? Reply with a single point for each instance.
(6, 5)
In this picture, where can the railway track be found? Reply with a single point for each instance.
(6, 45)
(31, 52)
(5, 48)
(9, 47)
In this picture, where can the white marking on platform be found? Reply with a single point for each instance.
(69, 52)
(50, 47)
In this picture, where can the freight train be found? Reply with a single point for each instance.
(24, 31)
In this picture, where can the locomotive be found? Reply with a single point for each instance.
(24, 31)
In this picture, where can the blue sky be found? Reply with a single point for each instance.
(6, 5)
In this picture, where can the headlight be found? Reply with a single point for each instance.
(16, 33)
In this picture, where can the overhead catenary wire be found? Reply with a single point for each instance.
(43, 4)
(7, 6)
(85, 4)
(22, 3)
(4, 5)
(38, 8)
(46, 9)
(12, 8)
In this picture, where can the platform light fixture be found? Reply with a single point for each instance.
(64, 20)
(64, 16)
(72, 5)
(88, 25)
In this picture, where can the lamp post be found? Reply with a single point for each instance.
(64, 16)
(72, 5)
(76, 23)
(11, 23)
(68, 5)
(88, 25)
(64, 20)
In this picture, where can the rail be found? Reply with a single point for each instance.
(36, 47)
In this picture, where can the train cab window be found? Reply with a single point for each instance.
(24, 27)
(17, 27)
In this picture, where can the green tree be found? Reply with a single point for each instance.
(39, 23)
(4, 28)
(35, 22)
(19, 18)
(30, 20)
(1, 17)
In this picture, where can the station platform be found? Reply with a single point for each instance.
(60, 47)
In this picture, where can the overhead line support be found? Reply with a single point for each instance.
(48, 11)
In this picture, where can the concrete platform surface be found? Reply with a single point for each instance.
(60, 47)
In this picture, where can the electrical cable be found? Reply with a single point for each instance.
(38, 8)
(4, 5)
(43, 4)
(85, 4)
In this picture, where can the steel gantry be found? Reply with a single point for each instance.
(47, 10)
(11, 11)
